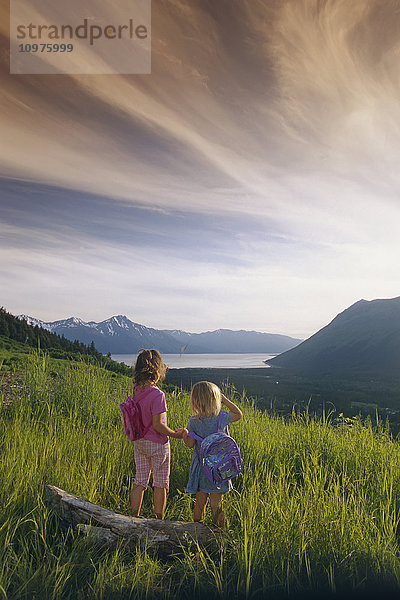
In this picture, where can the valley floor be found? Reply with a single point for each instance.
(281, 389)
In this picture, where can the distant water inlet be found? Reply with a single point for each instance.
(205, 361)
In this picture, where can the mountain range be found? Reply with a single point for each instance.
(120, 335)
(365, 337)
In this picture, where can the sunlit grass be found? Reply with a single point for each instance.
(315, 509)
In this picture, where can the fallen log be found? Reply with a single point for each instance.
(110, 529)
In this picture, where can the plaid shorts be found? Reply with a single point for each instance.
(151, 456)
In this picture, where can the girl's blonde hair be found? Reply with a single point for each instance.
(205, 399)
(149, 368)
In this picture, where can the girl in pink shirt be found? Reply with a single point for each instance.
(152, 452)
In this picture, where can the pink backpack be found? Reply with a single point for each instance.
(132, 419)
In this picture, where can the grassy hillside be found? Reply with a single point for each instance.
(315, 510)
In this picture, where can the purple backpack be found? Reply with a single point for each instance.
(132, 419)
(219, 455)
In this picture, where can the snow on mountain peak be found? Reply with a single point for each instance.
(120, 321)
(35, 322)
(76, 321)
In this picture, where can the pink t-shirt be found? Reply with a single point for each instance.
(152, 402)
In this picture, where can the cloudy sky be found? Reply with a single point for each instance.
(250, 182)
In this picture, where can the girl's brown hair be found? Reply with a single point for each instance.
(205, 399)
(149, 368)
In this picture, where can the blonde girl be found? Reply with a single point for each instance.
(206, 400)
(152, 452)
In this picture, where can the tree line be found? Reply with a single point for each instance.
(58, 346)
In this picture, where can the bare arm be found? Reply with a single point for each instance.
(159, 426)
(236, 413)
(188, 441)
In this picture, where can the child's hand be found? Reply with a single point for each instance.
(180, 432)
(185, 435)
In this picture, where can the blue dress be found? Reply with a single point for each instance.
(204, 426)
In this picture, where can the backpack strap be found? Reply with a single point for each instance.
(220, 421)
(195, 436)
(200, 439)
(220, 428)
(146, 429)
(197, 446)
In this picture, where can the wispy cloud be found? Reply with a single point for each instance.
(260, 159)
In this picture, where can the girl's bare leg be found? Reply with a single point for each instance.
(159, 499)
(137, 499)
(216, 509)
(200, 505)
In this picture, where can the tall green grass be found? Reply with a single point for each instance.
(315, 510)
